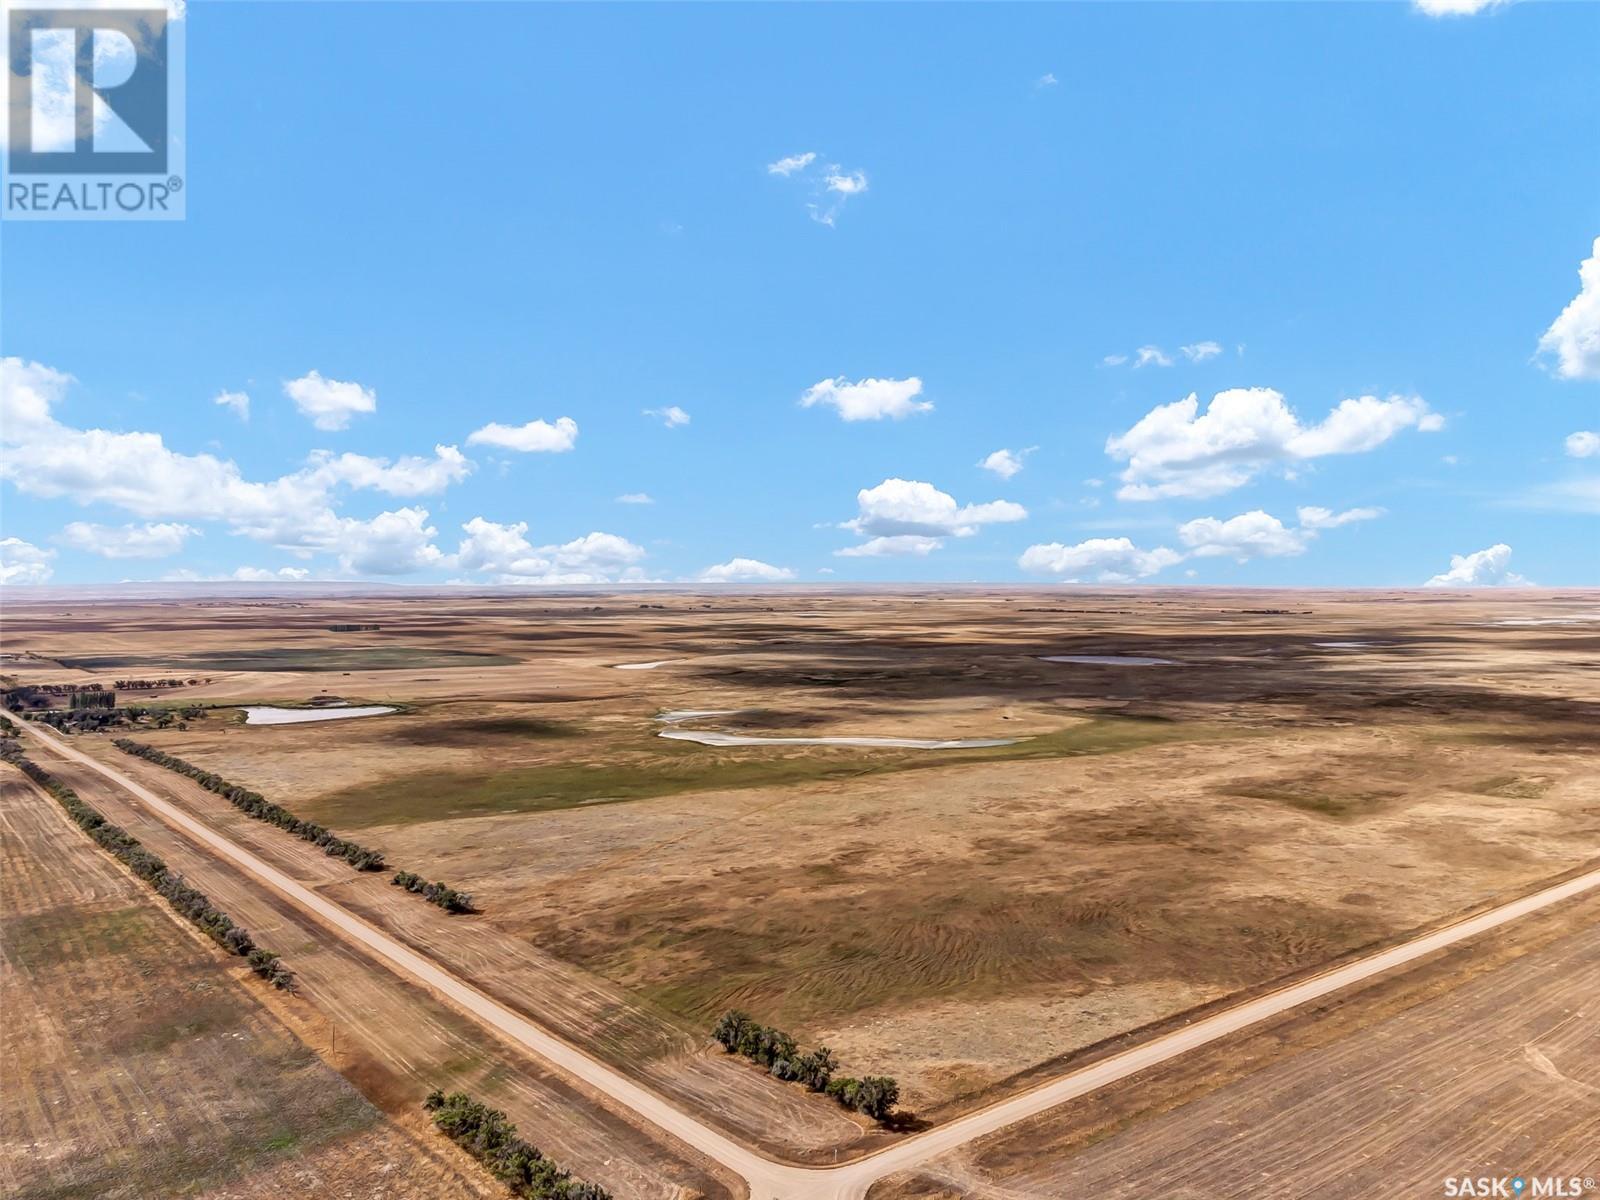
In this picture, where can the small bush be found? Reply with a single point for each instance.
(445, 897)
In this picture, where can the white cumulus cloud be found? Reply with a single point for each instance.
(536, 437)
(128, 541)
(329, 403)
(1481, 568)
(410, 475)
(846, 183)
(139, 473)
(671, 416)
(636, 498)
(745, 570)
(238, 403)
(908, 516)
(28, 392)
(1200, 351)
(1006, 463)
(895, 545)
(828, 184)
(1583, 444)
(264, 575)
(868, 399)
(1312, 517)
(1573, 340)
(789, 164)
(1249, 535)
(391, 543)
(1098, 560)
(22, 562)
(504, 551)
(1259, 534)
(1175, 450)
(1456, 8)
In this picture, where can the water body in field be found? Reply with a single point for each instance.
(1578, 618)
(649, 666)
(256, 714)
(709, 738)
(706, 738)
(1108, 660)
(690, 714)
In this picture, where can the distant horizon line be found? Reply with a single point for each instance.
(46, 593)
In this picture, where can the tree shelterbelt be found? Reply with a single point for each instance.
(254, 804)
(190, 903)
(873, 1096)
(488, 1136)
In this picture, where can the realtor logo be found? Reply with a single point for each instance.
(94, 112)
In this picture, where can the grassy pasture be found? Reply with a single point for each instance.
(637, 769)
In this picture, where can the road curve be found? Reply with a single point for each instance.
(766, 1178)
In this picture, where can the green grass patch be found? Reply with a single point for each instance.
(664, 768)
(293, 658)
(67, 936)
(486, 731)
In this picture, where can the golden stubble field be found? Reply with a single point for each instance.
(1309, 773)
(138, 1062)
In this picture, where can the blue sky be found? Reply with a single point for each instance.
(419, 236)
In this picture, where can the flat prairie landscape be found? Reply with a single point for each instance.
(1298, 775)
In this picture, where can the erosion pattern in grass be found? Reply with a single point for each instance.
(653, 768)
(808, 947)
(295, 658)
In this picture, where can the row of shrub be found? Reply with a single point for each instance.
(777, 1051)
(487, 1135)
(189, 902)
(445, 897)
(256, 805)
(92, 719)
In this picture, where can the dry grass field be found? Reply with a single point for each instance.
(1308, 774)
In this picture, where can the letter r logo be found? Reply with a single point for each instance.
(88, 91)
